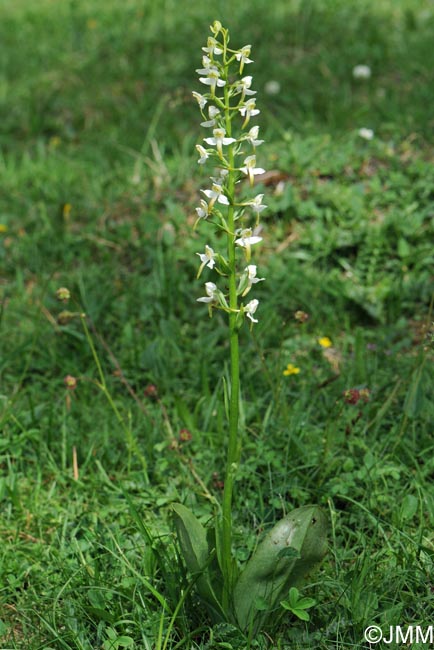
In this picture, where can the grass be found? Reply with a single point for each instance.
(99, 185)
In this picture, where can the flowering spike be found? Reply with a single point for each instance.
(230, 102)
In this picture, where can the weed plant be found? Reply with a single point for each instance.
(98, 190)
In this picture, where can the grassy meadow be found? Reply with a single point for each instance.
(107, 419)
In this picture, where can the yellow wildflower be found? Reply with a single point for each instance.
(325, 342)
(67, 207)
(3, 227)
(291, 370)
(54, 141)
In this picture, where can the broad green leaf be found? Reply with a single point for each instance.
(198, 556)
(191, 537)
(284, 557)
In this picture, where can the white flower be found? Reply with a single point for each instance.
(272, 87)
(256, 203)
(212, 112)
(208, 66)
(204, 155)
(213, 47)
(212, 78)
(251, 278)
(251, 272)
(215, 194)
(243, 56)
(204, 210)
(361, 72)
(200, 99)
(366, 134)
(252, 136)
(211, 291)
(206, 62)
(219, 140)
(244, 86)
(249, 110)
(250, 169)
(207, 258)
(247, 238)
(250, 309)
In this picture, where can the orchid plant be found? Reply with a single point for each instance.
(231, 206)
(230, 104)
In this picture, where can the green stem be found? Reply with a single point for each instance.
(233, 447)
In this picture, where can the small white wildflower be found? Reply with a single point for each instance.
(249, 110)
(250, 170)
(213, 111)
(212, 78)
(219, 140)
(252, 137)
(208, 66)
(250, 309)
(204, 210)
(256, 204)
(361, 72)
(200, 99)
(207, 62)
(204, 155)
(213, 47)
(251, 278)
(366, 134)
(244, 86)
(211, 291)
(247, 238)
(215, 194)
(207, 259)
(243, 56)
(272, 87)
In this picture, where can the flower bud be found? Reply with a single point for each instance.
(216, 27)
